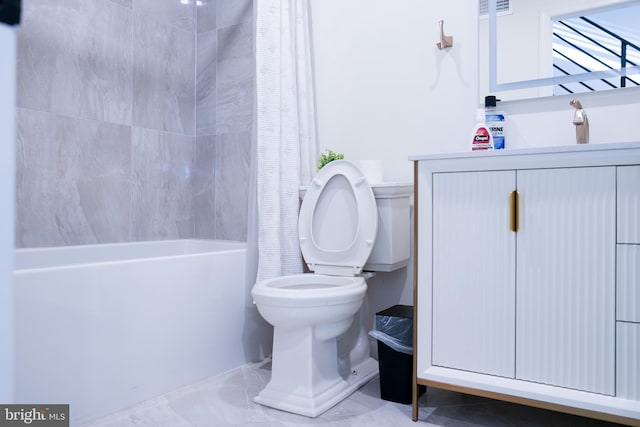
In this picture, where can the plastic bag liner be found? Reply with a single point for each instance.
(394, 331)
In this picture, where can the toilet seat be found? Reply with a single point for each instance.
(338, 221)
(309, 290)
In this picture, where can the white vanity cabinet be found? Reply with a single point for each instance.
(473, 271)
(628, 283)
(521, 291)
(565, 282)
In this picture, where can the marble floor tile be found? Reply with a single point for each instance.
(227, 400)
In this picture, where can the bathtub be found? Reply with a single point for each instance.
(101, 327)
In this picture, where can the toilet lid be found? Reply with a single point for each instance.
(338, 220)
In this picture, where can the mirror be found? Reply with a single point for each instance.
(556, 47)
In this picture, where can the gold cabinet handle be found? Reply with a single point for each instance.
(514, 214)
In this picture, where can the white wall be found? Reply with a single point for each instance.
(384, 90)
(7, 165)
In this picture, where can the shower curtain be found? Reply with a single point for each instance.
(285, 148)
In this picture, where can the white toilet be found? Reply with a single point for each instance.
(311, 371)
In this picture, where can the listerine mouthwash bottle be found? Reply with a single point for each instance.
(495, 121)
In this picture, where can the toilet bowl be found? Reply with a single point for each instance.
(311, 370)
(304, 300)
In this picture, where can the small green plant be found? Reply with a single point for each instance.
(328, 156)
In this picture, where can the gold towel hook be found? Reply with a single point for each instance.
(445, 41)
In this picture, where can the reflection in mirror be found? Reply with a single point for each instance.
(557, 47)
(597, 41)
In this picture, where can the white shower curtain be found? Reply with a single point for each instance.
(285, 142)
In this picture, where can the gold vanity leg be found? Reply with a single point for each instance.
(414, 391)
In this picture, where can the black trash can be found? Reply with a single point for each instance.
(394, 332)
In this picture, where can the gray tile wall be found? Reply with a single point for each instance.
(225, 86)
(134, 121)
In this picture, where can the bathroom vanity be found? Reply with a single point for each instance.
(527, 277)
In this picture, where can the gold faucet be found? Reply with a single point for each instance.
(581, 122)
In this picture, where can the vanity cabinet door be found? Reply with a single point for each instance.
(566, 278)
(629, 204)
(473, 272)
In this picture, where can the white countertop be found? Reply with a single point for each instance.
(527, 151)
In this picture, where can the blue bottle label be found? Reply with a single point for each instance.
(495, 123)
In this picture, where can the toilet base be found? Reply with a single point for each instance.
(300, 402)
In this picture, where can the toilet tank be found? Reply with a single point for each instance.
(391, 251)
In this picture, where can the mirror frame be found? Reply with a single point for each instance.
(547, 17)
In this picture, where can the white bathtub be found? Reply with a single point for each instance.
(101, 327)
